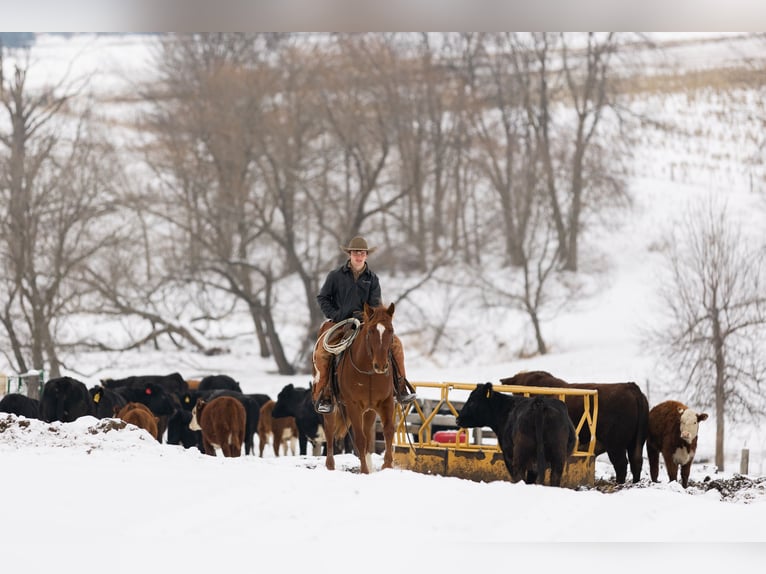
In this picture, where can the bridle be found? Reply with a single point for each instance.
(368, 347)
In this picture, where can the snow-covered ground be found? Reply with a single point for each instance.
(84, 497)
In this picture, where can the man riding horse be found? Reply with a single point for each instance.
(342, 296)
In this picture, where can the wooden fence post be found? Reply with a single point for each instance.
(744, 462)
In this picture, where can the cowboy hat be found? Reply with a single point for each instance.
(358, 243)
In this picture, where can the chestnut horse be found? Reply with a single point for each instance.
(365, 389)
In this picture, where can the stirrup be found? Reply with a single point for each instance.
(405, 398)
(323, 406)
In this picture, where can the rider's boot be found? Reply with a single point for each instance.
(320, 393)
(324, 405)
(402, 393)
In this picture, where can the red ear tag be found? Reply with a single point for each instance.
(148, 391)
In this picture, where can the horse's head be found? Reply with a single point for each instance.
(378, 329)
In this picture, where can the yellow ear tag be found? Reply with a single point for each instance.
(186, 399)
(96, 397)
(489, 392)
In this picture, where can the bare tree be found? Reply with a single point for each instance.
(713, 299)
(288, 164)
(418, 92)
(505, 154)
(575, 71)
(206, 124)
(535, 287)
(360, 149)
(57, 181)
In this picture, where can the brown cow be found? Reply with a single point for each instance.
(280, 429)
(222, 422)
(673, 432)
(138, 414)
(623, 418)
(193, 384)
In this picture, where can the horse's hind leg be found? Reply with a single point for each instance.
(329, 429)
(360, 439)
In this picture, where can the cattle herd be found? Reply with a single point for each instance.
(625, 423)
(534, 433)
(211, 414)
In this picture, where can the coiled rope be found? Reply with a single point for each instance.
(345, 342)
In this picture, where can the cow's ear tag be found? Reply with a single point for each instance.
(489, 392)
(148, 391)
(186, 400)
(96, 397)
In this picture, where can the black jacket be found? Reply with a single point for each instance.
(341, 297)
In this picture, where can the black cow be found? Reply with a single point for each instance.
(219, 382)
(20, 405)
(260, 398)
(623, 418)
(180, 433)
(105, 400)
(152, 395)
(533, 432)
(188, 399)
(296, 402)
(172, 383)
(65, 399)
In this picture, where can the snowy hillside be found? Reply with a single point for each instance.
(598, 338)
(89, 496)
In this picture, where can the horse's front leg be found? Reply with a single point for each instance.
(387, 422)
(329, 430)
(369, 436)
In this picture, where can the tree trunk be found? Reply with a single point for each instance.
(720, 367)
(256, 313)
(541, 347)
(283, 366)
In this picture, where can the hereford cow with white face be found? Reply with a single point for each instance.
(222, 422)
(673, 432)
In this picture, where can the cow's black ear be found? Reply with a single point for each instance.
(488, 389)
